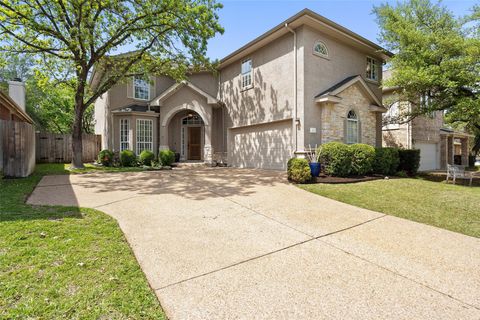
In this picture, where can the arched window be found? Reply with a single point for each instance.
(320, 49)
(352, 127)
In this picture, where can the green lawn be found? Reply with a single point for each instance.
(64, 168)
(455, 208)
(66, 262)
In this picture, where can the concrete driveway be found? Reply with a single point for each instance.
(242, 244)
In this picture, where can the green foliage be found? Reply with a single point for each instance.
(74, 39)
(105, 157)
(128, 158)
(409, 161)
(166, 157)
(83, 249)
(298, 170)
(436, 56)
(336, 158)
(402, 174)
(386, 161)
(146, 157)
(363, 157)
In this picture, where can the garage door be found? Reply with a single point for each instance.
(429, 159)
(266, 146)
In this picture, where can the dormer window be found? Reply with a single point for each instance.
(372, 69)
(141, 88)
(246, 76)
(320, 49)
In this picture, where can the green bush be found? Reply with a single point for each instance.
(166, 157)
(105, 157)
(146, 157)
(386, 161)
(336, 158)
(363, 157)
(409, 161)
(298, 170)
(128, 158)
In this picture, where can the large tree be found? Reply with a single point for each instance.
(72, 38)
(437, 57)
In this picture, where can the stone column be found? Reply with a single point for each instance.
(207, 143)
(163, 143)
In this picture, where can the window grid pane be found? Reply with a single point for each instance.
(141, 88)
(144, 135)
(124, 134)
(246, 77)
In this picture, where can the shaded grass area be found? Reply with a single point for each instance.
(66, 262)
(64, 168)
(455, 208)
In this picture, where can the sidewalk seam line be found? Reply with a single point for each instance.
(267, 254)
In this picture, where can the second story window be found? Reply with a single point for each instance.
(372, 69)
(141, 88)
(320, 49)
(246, 76)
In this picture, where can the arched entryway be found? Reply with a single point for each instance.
(187, 135)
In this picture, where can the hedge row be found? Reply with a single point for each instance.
(127, 158)
(343, 160)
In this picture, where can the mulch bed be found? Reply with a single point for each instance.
(353, 179)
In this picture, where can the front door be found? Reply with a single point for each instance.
(194, 143)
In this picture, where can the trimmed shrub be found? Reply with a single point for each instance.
(146, 157)
(166, 157)
(386, 161)
(409, 161)
(363, 157)
(105, 157)
(298, 170)
(128, 158)
(336, 158)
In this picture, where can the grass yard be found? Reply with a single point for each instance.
(60, 168)
(66, 262)
(455, 208)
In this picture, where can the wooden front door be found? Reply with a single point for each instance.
(194, 143)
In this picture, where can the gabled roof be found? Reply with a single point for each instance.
(11, 105)
(331, 94)
(157, 101)
(307, 17)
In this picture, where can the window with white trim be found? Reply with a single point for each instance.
(352, 127)
(141, 88)
(392, 117)
(144, 135)
(372, 69)
(320, 49)
(246, 76)
(124, 134)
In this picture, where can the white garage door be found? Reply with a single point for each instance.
(266, 146)
(429, 156)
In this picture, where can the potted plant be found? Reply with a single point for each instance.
(315, 166)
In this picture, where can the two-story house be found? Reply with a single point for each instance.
(305, 82)
(438, 144)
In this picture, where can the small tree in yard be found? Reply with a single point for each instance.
(71, 38)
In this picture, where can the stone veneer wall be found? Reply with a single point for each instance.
(334, 115)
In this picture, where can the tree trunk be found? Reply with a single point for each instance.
(77, 144)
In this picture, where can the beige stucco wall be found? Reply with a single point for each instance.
(322, 73)
(271, 97)
(207, 81)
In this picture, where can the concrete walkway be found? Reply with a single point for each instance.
(243, 244)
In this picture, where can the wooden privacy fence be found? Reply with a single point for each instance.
(52, 147)
(17, 148)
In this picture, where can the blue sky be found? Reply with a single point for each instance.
(244, 20)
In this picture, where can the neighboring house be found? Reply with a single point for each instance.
(306, 82)
(17, 133)
(438, 144)
(12, 106)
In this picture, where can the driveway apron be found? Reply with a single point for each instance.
(223, 243)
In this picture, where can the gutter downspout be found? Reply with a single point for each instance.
(295, 86)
